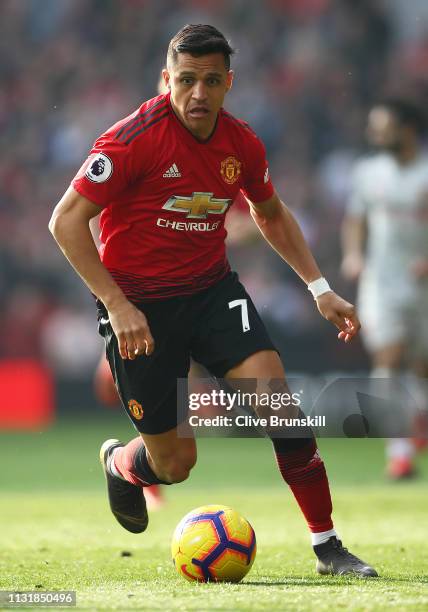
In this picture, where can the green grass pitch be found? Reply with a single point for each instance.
(57, 531)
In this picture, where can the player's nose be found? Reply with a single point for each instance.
(199, 92)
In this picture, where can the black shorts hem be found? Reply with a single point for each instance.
(220, 369)
(155, 427)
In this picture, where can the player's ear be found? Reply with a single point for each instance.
(229, 79)
(166, 78)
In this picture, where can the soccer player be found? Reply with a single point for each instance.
(165, 177)
(385, 237)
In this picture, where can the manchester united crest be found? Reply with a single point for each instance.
(230, 169)
(135, 409)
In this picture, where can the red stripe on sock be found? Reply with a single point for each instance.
(124, 462)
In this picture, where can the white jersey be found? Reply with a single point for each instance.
(392, 302)
(394, 200)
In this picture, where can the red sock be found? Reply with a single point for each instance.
(304, 471)
(124, 461)
(132, 464)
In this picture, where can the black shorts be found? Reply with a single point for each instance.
(218, 327)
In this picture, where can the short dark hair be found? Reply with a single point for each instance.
(199, 39)
(407, 112)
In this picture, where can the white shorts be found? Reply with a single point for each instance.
(392, 317)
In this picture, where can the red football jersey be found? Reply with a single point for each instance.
(164, 196)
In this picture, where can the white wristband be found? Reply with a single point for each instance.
(318, 287)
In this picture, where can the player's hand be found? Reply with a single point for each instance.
(131, 329)
(352, 266)
(339, 312)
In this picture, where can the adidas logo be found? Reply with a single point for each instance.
(172, 172)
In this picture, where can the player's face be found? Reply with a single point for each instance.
(383, 129)
(198, 86)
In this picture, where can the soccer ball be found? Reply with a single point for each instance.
(213, 543)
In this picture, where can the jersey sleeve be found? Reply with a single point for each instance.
(357, 202)
(108, 170)
(257, 184)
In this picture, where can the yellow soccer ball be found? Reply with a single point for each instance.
(213, 544)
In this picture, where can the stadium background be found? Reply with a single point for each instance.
(306, 74)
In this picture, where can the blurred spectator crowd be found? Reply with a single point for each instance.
(306, 74)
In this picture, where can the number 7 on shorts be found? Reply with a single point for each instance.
(244, 312)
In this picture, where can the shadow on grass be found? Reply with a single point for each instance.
(328, 581)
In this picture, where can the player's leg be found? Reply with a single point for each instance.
(387, 363)
(419, 391)
(104, 387)
(147, 389)
(417, 386)
(303, 470)
(385, 326)
(106, 393)
(145, 462)
(419, 368)
(298, 458)
(164, 458)
(233, 343)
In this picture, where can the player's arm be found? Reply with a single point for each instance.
(354, 233)
(281, 230)
(354, 227)
(69, 225)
